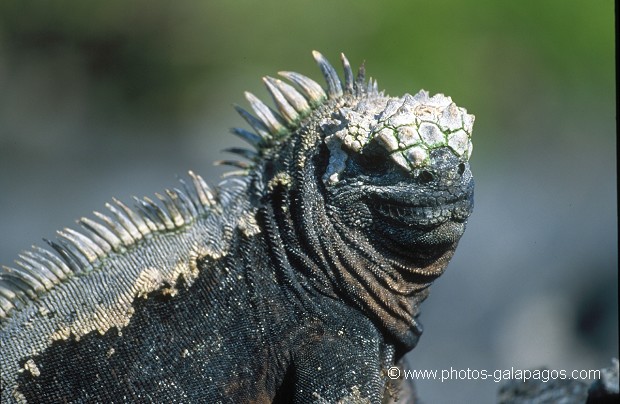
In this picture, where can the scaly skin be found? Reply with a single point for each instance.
(298, 281)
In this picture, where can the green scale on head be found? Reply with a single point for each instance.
(407, 128)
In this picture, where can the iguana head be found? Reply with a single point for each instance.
(398, 169)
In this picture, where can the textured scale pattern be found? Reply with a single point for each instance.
(297, 279)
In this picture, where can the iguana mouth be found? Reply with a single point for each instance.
(421, 199)
(422, 215)
(409, 215)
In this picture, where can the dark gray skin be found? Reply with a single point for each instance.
(313, 293)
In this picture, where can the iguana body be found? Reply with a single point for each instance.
(298, 280)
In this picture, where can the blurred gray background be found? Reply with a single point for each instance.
(116, 98)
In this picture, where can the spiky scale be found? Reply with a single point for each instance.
(134, 218)
(188, 207)
(233, 173)
(172, 210)
(233, 163)
(116, 228)
(150, 218)
(310, 88)
(93, 237)
(24, 269)
(360, 79)
(6, 299)
(22, 281)
(164, 215)
(286, 110)
(72, 262)
(259, 126)
(7, 292)
(205, 194)
(334, 88)
(250, 137)
(348, 75)
(370, 87)
(37, 259)
(269, 117)
(192, 196)
(102, 231)
(79, 258)
(15, 299)
(125, 221)
(157, 214)
(15, 289)
(36, 265)
(293, 96)
(245, 153)
(85, 245)
(52, 260)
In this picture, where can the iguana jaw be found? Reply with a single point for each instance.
(424, 215)
(418, 231)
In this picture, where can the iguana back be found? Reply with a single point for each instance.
(298, 279)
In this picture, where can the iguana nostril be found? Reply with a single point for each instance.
(426, 176)
(460, 169)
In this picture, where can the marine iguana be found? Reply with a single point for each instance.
(298, 279)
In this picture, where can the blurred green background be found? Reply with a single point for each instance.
(116, 98)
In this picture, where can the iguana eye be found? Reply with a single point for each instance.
(373, 163)
(373, 159)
